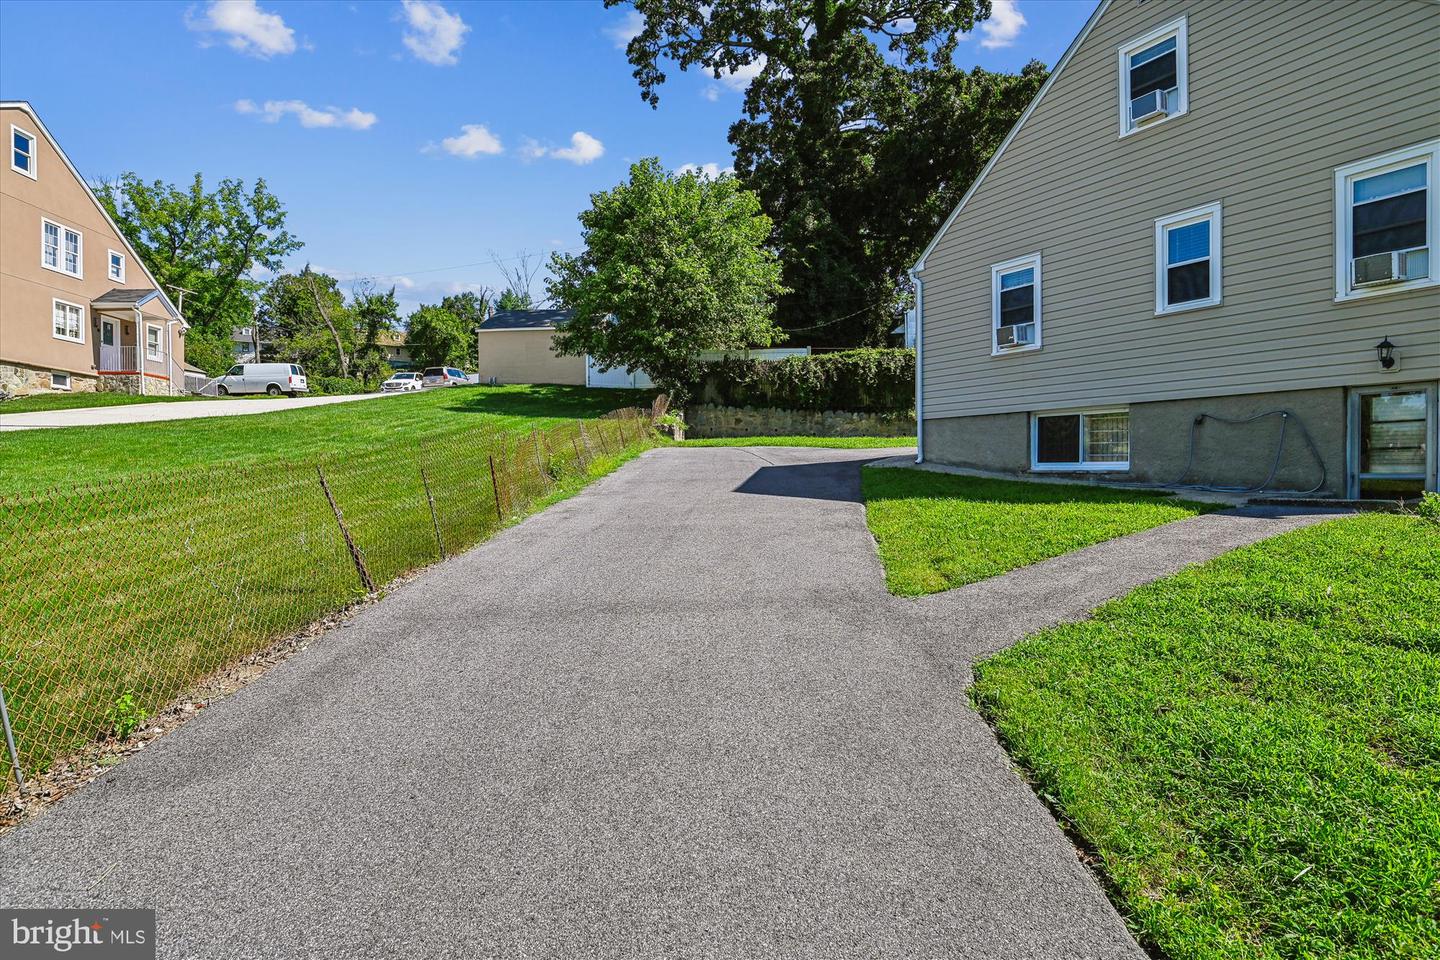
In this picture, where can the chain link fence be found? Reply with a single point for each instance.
(120, 596)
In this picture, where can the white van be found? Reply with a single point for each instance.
(271, 378)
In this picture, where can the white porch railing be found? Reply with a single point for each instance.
(119, 357)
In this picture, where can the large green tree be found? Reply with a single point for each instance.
(438, 337)
(305, 315)
(209, 242)
(859, 133)
(672, 266)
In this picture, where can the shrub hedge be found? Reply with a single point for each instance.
(335, 386)
(880, 380)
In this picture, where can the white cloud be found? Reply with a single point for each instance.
(247, 28)
(711, 92)
(739, 78)
(433, 33)
(1004, 24)
(712, 170)
(272, 110)
(626, 30)
(583, 149)
(531, 149)
(474, 139)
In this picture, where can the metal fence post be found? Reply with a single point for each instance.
(10, 741)
(539, 460)
(355, 553)
(435, 520)
(495, 486)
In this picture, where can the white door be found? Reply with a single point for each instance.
(615, 379)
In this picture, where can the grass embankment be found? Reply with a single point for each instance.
(42, 402)
(936, 531)
(32, 459)
(1251, 748)
(141, 585)
(842, 443)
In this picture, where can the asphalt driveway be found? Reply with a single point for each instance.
(676, 715)
(152, 412)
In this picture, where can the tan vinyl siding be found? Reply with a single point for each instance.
(1280, 94)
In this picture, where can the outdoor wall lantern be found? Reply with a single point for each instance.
(1385, 352)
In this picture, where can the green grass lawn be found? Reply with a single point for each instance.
(1251, 748)
(844, 443)
(38, 458)
(73, 401)
(139, 582)
(936, 531)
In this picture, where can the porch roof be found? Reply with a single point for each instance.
(122, 298)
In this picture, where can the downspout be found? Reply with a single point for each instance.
(170, 355)
(919, 365)
(139, 357)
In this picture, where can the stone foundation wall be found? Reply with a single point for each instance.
(21, 381)
(713, 420)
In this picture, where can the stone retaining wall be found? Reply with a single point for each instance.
(713, 420)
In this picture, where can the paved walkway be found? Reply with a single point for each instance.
(674, 716)
(177, 410)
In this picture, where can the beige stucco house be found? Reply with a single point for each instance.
(514, 346)
(1206, 254)
(78, 309)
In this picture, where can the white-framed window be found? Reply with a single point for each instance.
(59, 380)
(116, 266)
(69, 321)
(22, 151)
(154, 344)
(1097, 439)
(62, 249)
(1154, 84)
(1015, 305)
(1187, 260)
(1386, 210)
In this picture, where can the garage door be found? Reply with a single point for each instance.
(617, 378)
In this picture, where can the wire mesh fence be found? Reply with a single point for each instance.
(118, 597)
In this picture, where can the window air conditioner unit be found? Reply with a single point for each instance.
(1150, 106)
(1395, 266)
(1015, 335)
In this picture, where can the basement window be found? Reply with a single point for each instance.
(1154, 83)
(59, 381)
(1080, 440)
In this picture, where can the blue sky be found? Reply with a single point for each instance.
(407, 140)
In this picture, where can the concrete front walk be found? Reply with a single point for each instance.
(675, 716)
(175, 410)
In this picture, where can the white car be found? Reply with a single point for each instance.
(402, 381)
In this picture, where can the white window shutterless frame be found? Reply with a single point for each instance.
(62, 249)
(22, 151)
(1015, 306)
(1386, 211)
(1156, 61)
(1073, 440)
(1187, 260)
(154, 345)
(1392, 439)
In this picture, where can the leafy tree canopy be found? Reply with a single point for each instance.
(858, 133)
(470, 306)
(672, 266)
(437, 338)
(208, 242)
(511, 300)
(304, 315)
